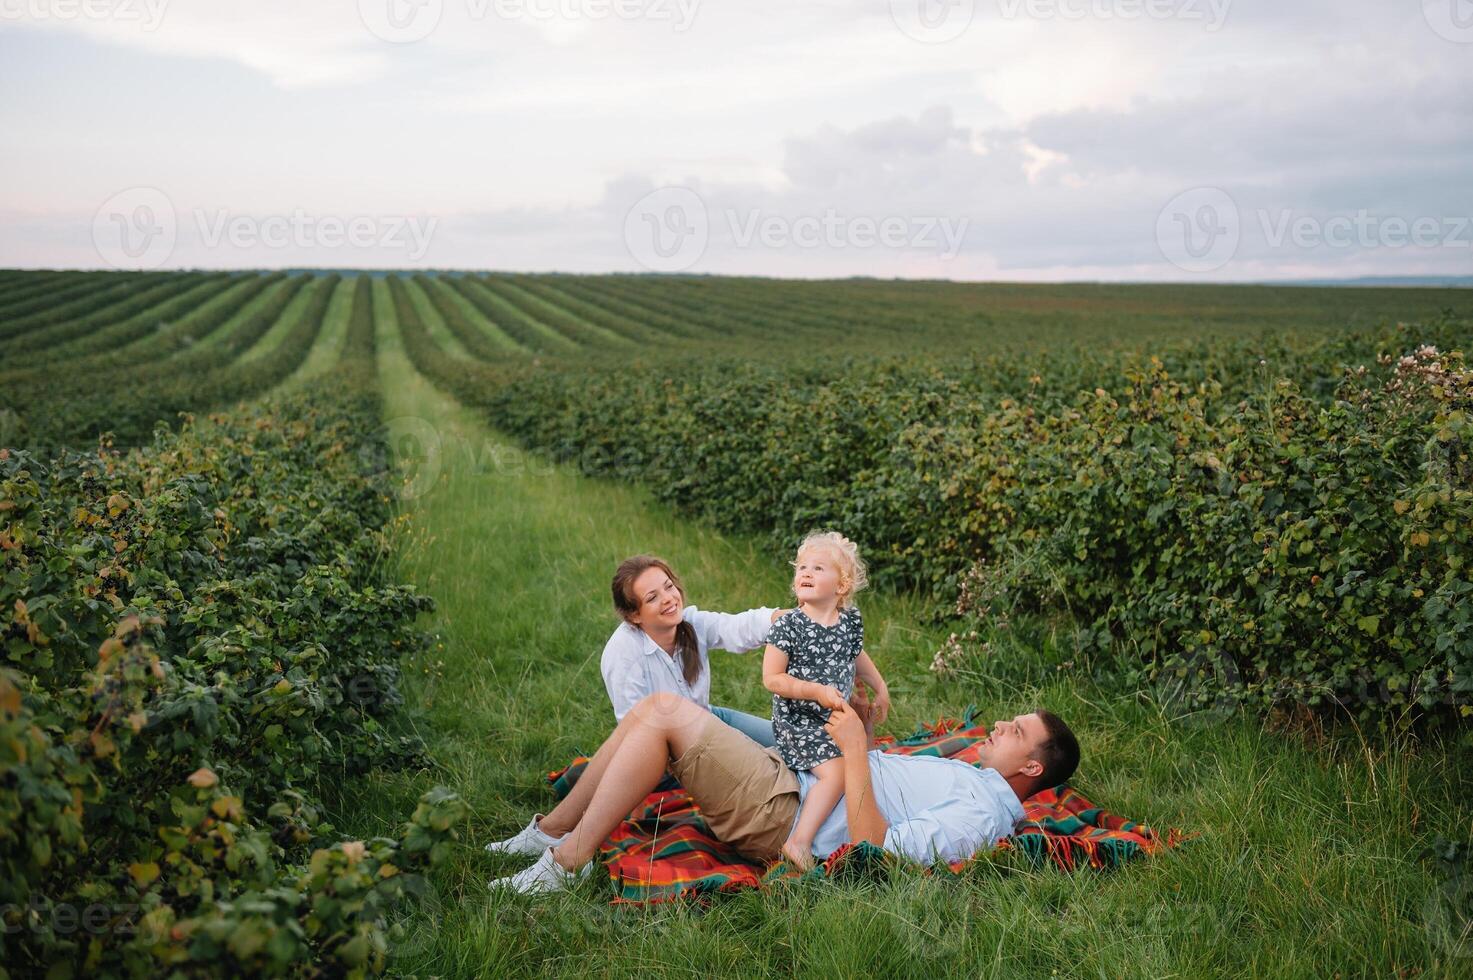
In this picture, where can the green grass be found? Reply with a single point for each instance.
(218, 336)
(434, 322)
(285, 323)
(325, 352)
(1307, 861)
(488, 337)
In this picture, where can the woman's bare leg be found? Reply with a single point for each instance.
(663, 727)
(565, 816)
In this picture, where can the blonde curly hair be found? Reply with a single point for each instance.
(852, 570)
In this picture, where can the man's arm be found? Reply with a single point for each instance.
(866, 823)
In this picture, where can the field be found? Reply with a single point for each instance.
(1222, 530)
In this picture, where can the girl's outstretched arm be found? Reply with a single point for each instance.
(866, 671)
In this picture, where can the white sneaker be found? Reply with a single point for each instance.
(529, 841)
(544, 876)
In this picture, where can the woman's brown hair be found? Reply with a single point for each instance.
(627, 604)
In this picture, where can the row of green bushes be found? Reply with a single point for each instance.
(148, 311)
(23, 285)
(73, 403)
(64, 301)
(1292, 553)
(197, 633)
(1268, 519)
(454, 312)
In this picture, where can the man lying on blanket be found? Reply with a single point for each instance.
(921, 807)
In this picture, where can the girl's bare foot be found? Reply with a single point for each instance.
(798, 854)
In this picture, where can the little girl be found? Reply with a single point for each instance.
(813, 656)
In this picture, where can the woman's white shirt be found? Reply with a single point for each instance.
(634, 666)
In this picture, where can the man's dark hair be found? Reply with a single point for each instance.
(1059, 752)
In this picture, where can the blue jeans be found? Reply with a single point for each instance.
(757, 729)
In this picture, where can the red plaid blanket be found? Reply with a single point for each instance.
(665, 850)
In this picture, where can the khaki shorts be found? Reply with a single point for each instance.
(746, 794)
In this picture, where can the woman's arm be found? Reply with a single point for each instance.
(775, 678)
(736, 632)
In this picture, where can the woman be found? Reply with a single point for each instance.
(662, 644)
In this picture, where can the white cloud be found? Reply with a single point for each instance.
(294, 44)
(1057, 138)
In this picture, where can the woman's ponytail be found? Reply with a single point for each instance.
(689, 650)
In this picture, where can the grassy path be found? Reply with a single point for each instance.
(265, 297)
(326, 351)
(290, 316)
(1307, 861)
(495, 339)
(434, 322)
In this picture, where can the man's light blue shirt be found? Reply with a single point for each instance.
(937, 808)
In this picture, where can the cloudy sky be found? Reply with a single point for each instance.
(962, 139)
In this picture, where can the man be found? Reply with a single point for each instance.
(921, 807)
